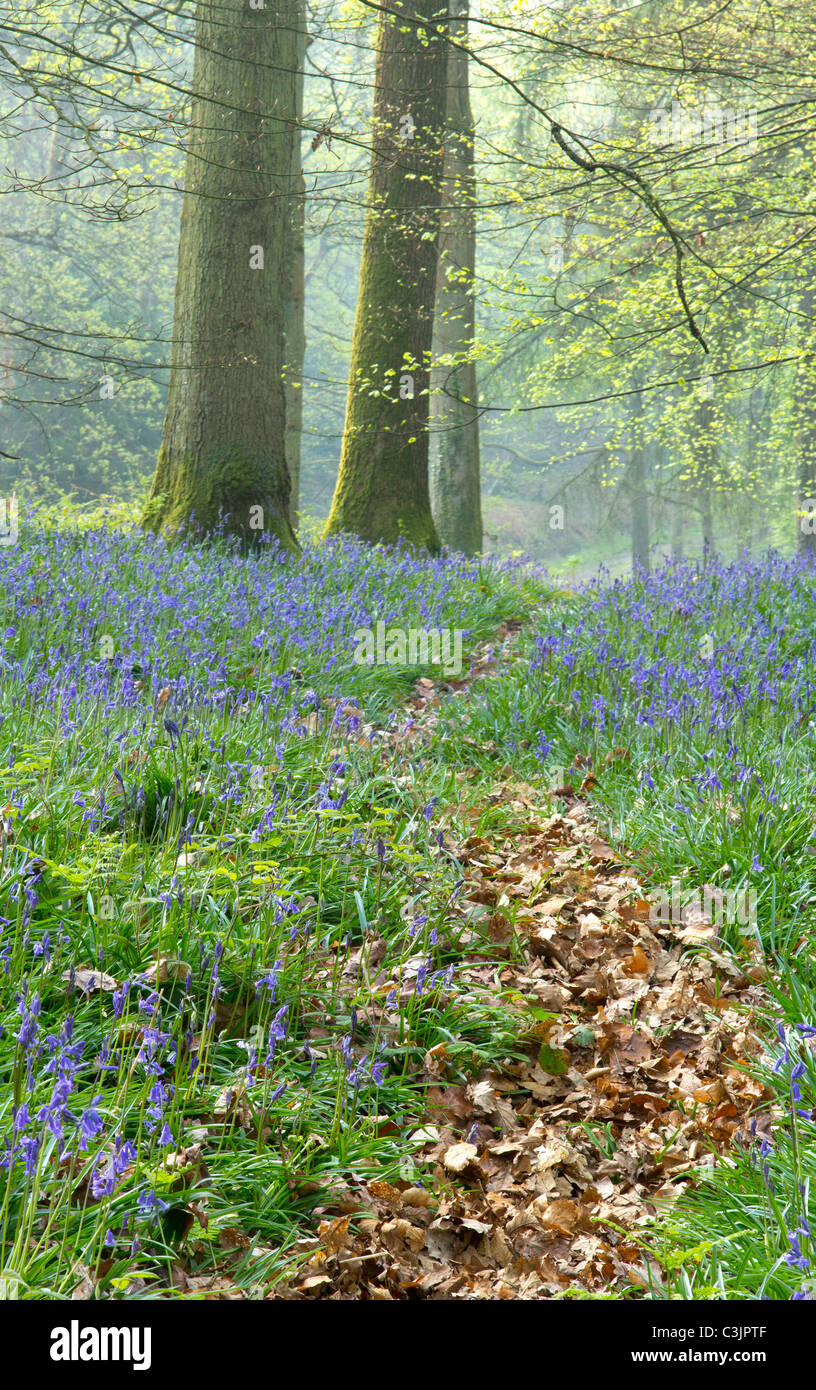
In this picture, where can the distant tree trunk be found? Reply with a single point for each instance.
(223, 450)
(806, 431)
(57, 165)
(638, 488)
(749, 500)
(382, 486)
(640, 508)
(806, 530)
(454, 441)
(677, 519)
(294, 310)
(706, 517)
(705, 453)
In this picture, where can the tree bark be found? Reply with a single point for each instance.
(677, 519)
(705, 458)
(382, 489)
(806, 431)
(294, 312)
(454, 438)
(222, 458)
(638, 489)
(706, 518)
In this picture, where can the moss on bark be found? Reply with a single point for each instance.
(382, 487)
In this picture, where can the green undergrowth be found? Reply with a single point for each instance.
(225, 943)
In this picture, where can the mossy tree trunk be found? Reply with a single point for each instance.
(294, 316)
(454, 437)
(222, 458)
(382, 489)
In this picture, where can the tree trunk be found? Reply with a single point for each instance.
(222, 458)
(454, 439)
(294, 312)
(640, 508)
(638, 489)
(677, 531)
(382, 486)
(706, 519)
(806, 432)
(705, 457)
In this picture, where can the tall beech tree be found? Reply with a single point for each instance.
(382, 488)
(294, 308)
(223, 448)
(454, 438)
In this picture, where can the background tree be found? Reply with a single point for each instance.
(637, 482)
(294, 310)
(382, 487)
(223, 449)
(805, 388)
(454, 441)
(575, 284)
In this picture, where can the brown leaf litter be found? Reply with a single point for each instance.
(539, 1177)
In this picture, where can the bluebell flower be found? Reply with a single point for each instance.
(149, 1203)
(269, 981)
(795, 1258)
(90, 1123)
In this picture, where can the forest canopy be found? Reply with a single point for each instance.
(634, 316)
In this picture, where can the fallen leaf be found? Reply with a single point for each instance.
(400, 1230)
(88, 981)
(459, 1157)
(553, 1060)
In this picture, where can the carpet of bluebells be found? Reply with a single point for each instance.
(690, 695)
(203, 835)
(215, 850)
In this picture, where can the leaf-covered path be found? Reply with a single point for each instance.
(630, 1072)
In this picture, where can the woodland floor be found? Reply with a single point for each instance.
(544, 1177)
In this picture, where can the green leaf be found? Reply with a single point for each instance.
(542, 1015)
(553, 1060)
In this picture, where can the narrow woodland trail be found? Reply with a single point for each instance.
(540, 1177)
